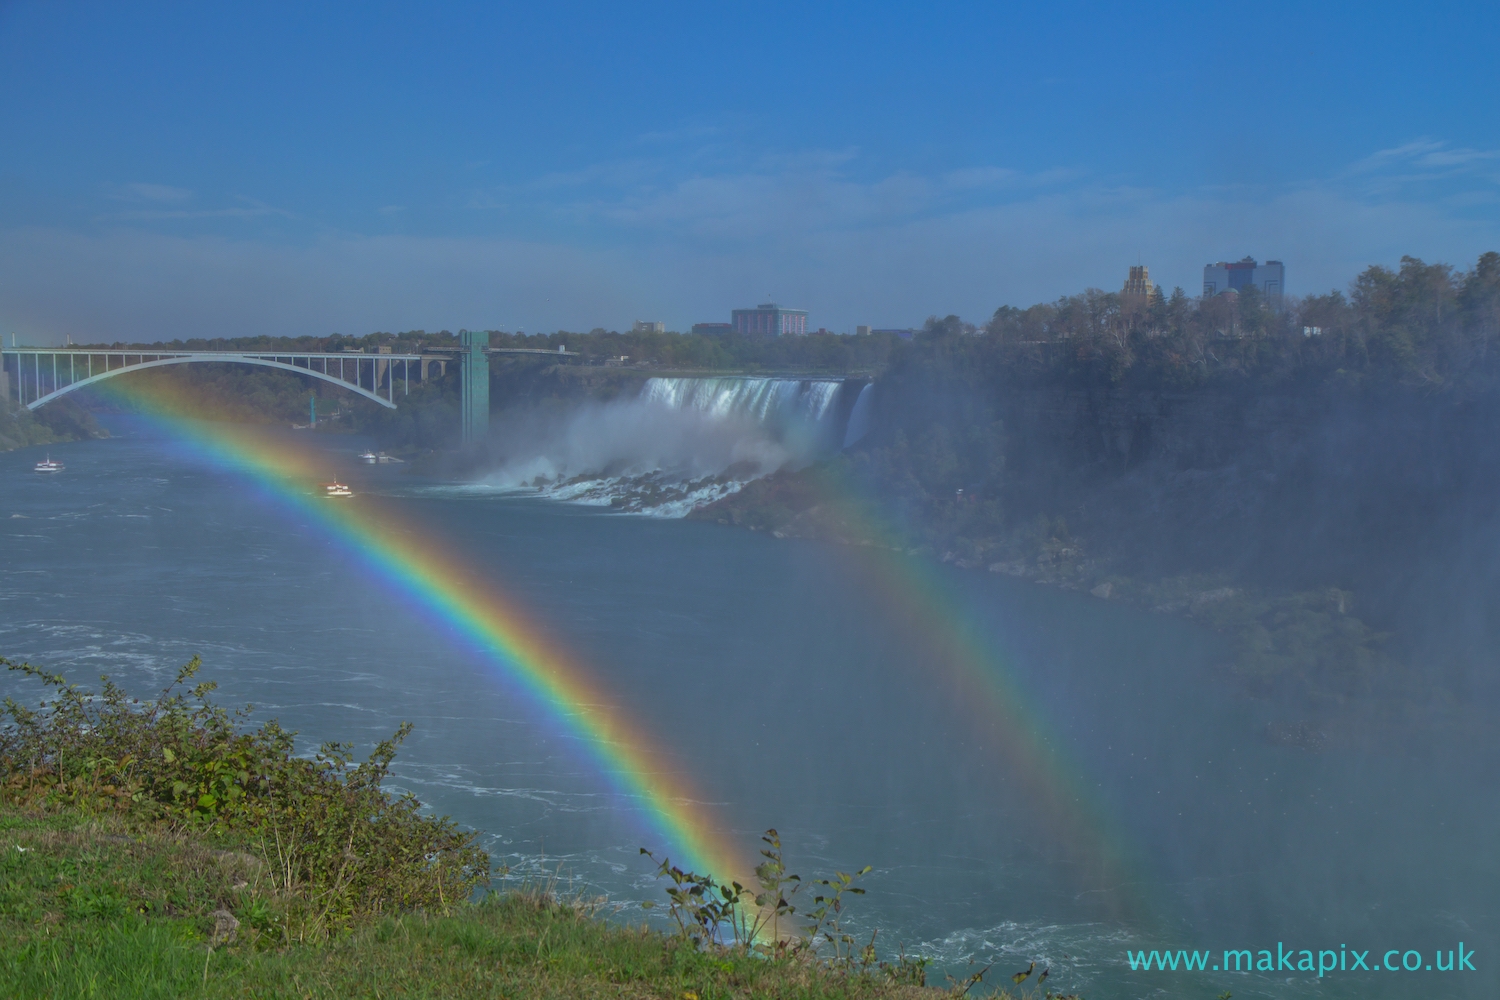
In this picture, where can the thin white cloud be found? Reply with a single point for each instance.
(1458, 157)
(149, 215)
(248, 209)
(1398, 154)
(486, 201)
(694, 133)
(1428, 162)
(979, 177)
(1001, 179)
(787, 196)
(142, 192)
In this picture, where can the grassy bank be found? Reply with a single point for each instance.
(163, 848)
(95, 905)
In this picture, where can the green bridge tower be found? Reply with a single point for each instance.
(474, 380)
(474, 384)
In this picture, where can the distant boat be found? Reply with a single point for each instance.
(369, 457)
(47, 465)
(336, 489)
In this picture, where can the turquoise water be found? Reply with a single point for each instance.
(777, 675)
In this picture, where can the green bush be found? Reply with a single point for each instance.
(336, 841)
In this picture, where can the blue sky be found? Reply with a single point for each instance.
(183, 170)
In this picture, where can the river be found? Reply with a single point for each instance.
(792, 692)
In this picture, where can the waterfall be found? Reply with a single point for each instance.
(678, 444)
(776, 402)
(859, 417)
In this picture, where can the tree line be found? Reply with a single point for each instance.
(1427, 325)
(1430, 325)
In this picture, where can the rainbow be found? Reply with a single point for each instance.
(909, 591)
(427, 571)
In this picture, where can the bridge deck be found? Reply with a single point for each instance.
(58, 370)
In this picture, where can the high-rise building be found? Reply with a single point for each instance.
(1138, 288)
(648, 326)
(769, 319)
(1269, 278)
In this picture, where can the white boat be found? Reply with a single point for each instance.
(336, 489)
(47, 465)
(369, 458)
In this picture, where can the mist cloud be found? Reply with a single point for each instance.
(635, 437)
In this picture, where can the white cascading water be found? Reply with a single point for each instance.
(859, 417)
(784, 401)
(679, 444)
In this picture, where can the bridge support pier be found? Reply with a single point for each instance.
(474, 382)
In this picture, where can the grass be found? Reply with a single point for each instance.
(95, 906)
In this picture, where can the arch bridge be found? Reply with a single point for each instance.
(42, 374)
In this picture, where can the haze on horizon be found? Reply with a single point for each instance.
(177, 171)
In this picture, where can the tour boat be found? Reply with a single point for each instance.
(336, 489)
(47, 465)
(369, 458)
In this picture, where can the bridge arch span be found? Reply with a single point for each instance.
(221, 359)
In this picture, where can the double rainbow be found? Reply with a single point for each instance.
(426, 570)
